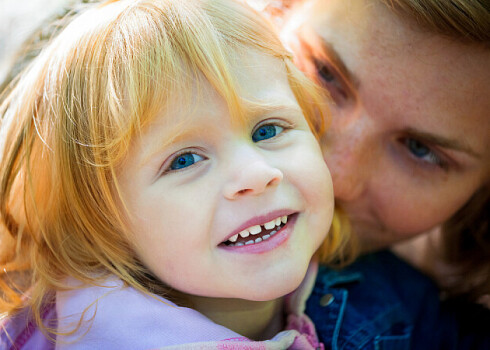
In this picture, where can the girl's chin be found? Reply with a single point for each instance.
(275, 291)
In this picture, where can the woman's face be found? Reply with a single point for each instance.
(410, 138)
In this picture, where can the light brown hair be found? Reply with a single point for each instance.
(465, 20)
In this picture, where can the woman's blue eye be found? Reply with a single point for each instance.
(326, 75)
(330, 79)
(421, 151)
(185, 160)
(417, 148)
(266, 132)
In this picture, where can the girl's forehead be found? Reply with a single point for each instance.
(201, 100)
(257, 83)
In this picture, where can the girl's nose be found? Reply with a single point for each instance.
(251, 177)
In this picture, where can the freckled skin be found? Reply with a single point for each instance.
(406, 80)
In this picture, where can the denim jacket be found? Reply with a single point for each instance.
(382, 303)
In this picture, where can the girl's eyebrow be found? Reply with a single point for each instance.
(257, 109)
(190, 129)
(444, 142)
(157, 147)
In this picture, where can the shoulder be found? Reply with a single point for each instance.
(115, 316)
(377, 300)
(21, 332)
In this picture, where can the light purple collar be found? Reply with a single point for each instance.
(120, 317)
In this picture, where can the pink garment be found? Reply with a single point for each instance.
(128, 319)
(21, 332)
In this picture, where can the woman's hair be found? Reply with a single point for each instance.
(466, 247)
(68, 120)
(464, 20)
(466, 235)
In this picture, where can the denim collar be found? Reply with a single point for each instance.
(329, 278)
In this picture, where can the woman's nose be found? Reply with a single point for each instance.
(348, 176)
(351, 156)
(252, 175)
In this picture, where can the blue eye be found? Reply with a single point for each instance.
(266, 132)
(332, 79)
(417, 148)
(423, 152)
(185, 160)
(326, 74)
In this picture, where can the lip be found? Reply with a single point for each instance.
(260, 220)
(279, 238)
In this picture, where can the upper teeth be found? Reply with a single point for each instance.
(255, 230)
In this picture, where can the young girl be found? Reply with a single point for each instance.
(161, 185)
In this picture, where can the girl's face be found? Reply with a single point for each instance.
(197, 204)
(409, 143)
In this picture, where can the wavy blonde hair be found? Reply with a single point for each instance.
(69, 120)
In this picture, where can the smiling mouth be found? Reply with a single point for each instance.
(258, 233)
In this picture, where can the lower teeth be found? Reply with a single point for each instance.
(258, 240)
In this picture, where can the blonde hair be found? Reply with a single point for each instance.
(69, 121)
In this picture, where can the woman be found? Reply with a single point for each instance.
(409, 150)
